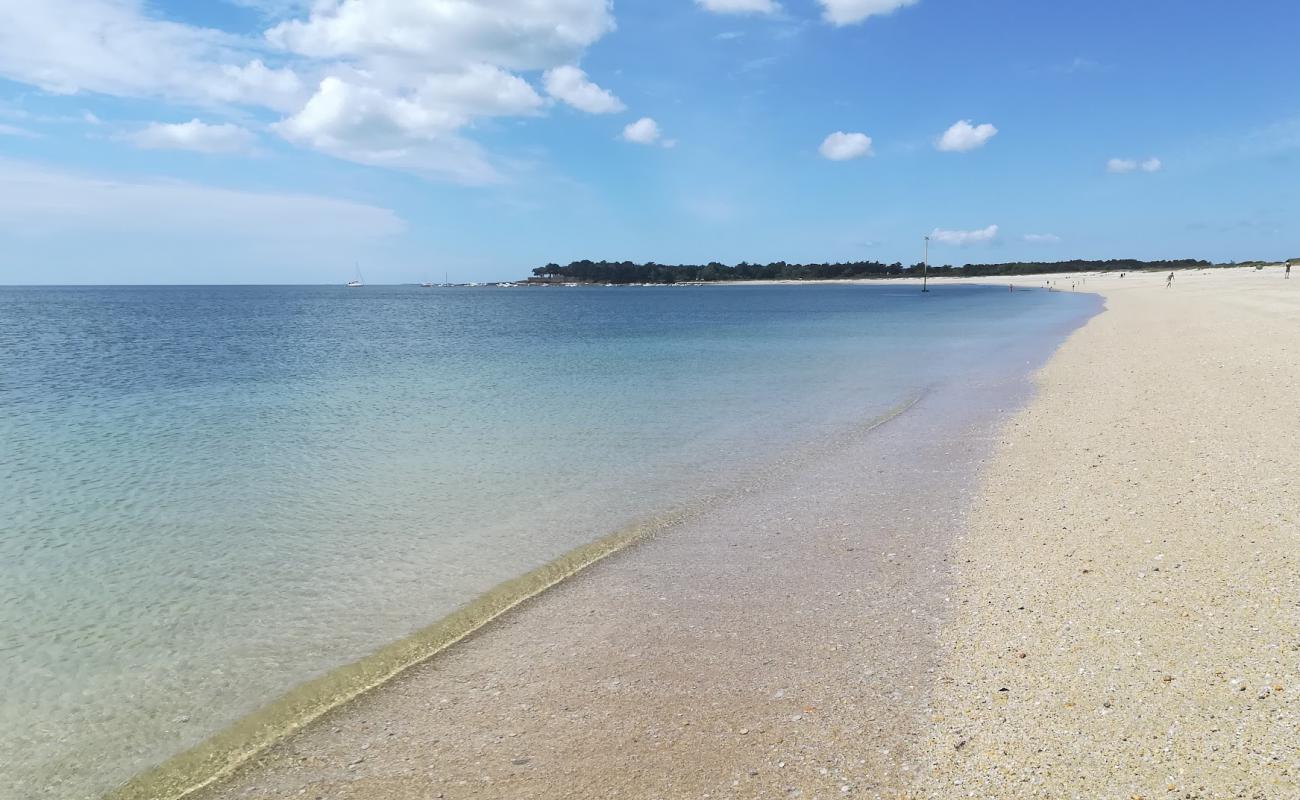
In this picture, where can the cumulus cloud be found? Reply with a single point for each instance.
(441, 34)
(571, 85)
(964, 136)
(414, 73)
(1120, 166)
(961, 238)
(392, 83)
(194, 135)
(1042, 238)
(415, 132)
(739, 6)
(643, 131)
(258, 84)
(841, 146)
(849, 12)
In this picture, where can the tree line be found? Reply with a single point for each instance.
(628, 272)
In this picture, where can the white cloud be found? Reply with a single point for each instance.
(480, 90)
(1042, 238)
(964, 136)
(571, 85)
(112, 47)
(965, 237)
(410, 75)
(739, 6)
(1120, 166)
(443, 34)
(841, 146)
(415, 132)
(397, 82)
(643, 131)
(14, 130)
(36, 200)
(848, 12)
(411, 128)
(194, 135)
(258, 84)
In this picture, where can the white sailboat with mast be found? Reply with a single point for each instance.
(357, 282)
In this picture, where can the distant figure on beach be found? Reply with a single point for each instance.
(1170, 281)
(1288, 271)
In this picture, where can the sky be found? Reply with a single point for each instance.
(287, 141)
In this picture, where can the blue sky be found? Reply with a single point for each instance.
(270, 141)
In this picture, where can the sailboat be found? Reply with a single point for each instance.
(356, 283)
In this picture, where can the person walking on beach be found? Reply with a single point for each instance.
(1170, 281)
(1288, 270)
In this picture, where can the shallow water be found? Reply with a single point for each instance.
(209, 495)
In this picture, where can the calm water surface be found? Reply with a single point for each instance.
(209, 495)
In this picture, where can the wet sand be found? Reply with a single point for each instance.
(1128, 618)
(779, 643)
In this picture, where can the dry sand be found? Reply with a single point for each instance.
(1128, 618)
(1127, 572)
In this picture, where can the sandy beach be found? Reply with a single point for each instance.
(1127, 622)
(1093, 596)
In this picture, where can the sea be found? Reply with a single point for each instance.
(210, 495)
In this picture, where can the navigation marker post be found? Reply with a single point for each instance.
(925, 268)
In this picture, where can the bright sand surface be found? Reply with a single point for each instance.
(1125, 568)
(1127, 622)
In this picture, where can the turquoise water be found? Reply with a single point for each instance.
(211, 494)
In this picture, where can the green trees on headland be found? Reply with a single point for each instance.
(629, 272)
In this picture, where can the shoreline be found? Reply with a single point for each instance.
(777, 625)
(216, 758)
(943, 744)
(1026, 281)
